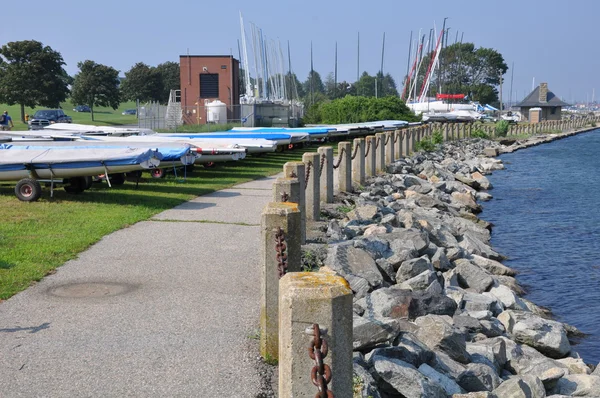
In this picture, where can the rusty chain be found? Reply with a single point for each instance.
(387, 139)
(337, 164)
(320, 374)
(355, 151)
(323, 159)
(285, 197)
(396, 136)
(281, 249)
(307, 176)
(377, 141)
(368, 147)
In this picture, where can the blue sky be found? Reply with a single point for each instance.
(553, 41)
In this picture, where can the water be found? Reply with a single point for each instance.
(547, 221)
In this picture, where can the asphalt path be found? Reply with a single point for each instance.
(164, 308)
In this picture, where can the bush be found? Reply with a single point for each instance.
(351, 109)
(479, 133)
(501, 128)
(425, 144)
(437, 137)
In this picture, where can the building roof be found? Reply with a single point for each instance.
(533, 99)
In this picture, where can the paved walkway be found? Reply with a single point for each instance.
(164, 308)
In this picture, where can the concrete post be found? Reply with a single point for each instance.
(326, 174)
(298, 170)
(389, 148)
(398, 144)
(446, 132)
(408, 140)
(358, 163)
(380, 152)
(275, 215)
(371, 160)
(286, 189)
(312, 160)
(345, 166)
(306, 298)
(470, 132)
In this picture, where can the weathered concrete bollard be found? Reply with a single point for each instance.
(307, 298)
(380, 152)
(326, 174)
(389, 148)
(286, 189)
(274, 216)
(358, 163)
(371, 156)
(298, 170)
(345, 166)
(313, 190)
(398, 144)
(406, 142)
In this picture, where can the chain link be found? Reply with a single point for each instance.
(337, 164)
(281, 249)
(320, 374)
(396, 136)
(285, 197)
(307, 176)
(355, 151)
(387, 139)
(323, 159)
(377, 141)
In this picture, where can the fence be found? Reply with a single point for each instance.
(312, 311)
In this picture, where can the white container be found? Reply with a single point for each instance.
(216, 112)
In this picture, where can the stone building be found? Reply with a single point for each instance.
(550, 106)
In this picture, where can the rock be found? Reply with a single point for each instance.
(467, 181)
(440, 261)
(521, 387)
(478, 394)
(483, 196)
(437, 332)
(548, 337)
(483, 182)
(479, 302)
(522, 359)
(449, 385)
(513, 285)
(470, 242)
(404, 304)
(363, 383)
(508, 298)
(465, 200)
(350, 261)
(406, 348)
(471, 276)
(492, 349)
(405, 379)
(491, 152)
(421, 281)
(369, 332)
(411, 268)
(578, 386)
(492, 266)
(479, 377)
(365, 213)
(575, 365)
(375, 230)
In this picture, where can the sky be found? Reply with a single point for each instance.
(547, 40)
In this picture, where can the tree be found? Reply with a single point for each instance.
(364, 109)
(96, 85)
(294, 89)
(143, 83)
(169, 72)
(31, 75)
(365, 86)
(467, 70)
(312, 87)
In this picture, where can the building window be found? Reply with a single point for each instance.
(553, 110)
(209, 85)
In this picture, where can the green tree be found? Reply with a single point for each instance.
(294, 89)
(31, 75)
(96, 85)
(352, 109)
(143, 83)
(169, 72)
(313, 86)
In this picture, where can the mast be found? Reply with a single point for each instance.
(406, 79)
(335, 76)
(358, 58)
(311, 74)
(249, 92)
(512, 74)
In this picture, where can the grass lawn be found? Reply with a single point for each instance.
(38, 237)
(103, 116)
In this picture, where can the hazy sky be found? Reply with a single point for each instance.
(553, 41)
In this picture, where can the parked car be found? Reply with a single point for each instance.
(129, 112)
(46, 117)
(82, 108)
(488, 118)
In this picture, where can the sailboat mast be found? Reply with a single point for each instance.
(407, 79)
(335, 75)
(358, 58)
(512, 74)
(311, 74)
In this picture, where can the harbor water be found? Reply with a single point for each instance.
(546, 219)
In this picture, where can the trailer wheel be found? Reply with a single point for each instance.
(28, 190)
(75, 185)
(89, 181)
(157, 173)
(117, 179)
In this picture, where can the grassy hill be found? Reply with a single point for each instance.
(103, 116)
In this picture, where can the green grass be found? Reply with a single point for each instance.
(38, 237)
(103, 116)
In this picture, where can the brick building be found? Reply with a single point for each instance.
(206, 78)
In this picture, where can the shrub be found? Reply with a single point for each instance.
(351, 109)
(437, 137)
(479, 133)
(501, 128)
(425, 144)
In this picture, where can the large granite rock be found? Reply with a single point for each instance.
(577, 386)
(371, 332)
(479, 377)
(521, 387)
(405, 379)
(438, 333)
(356, 266)
(413, 267)
(449, 385)
(405, 304)
(472, 276)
